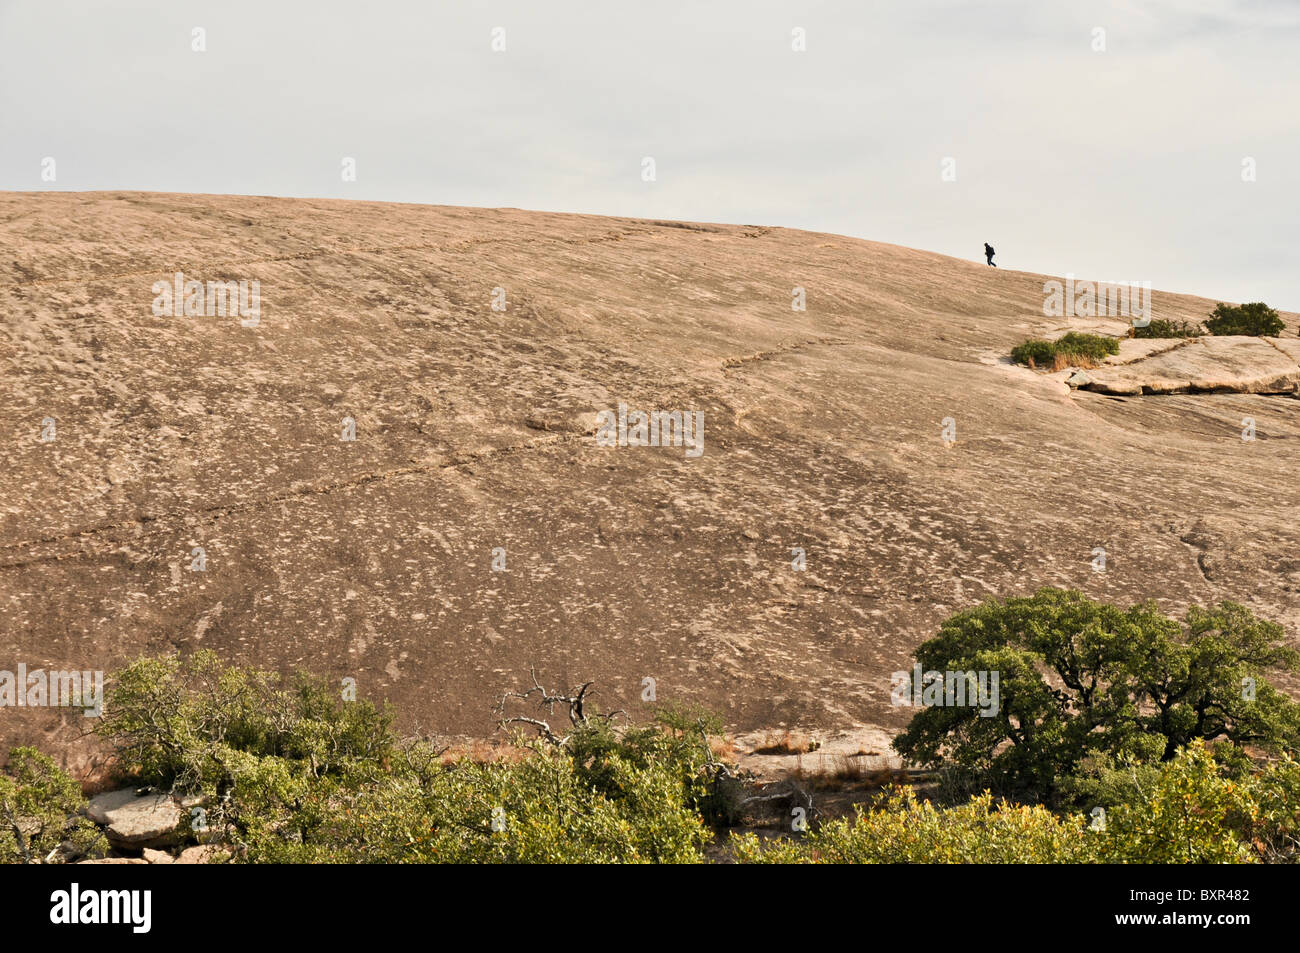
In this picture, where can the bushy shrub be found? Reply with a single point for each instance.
(1255, 319)
(39, 804)
(1277, 822)
(540, 808)
(1182, 811)
(192, 726)
(1035, 352)
(296, 775)
(1191, 814)
(1092, 346)
(1160, 328)
(1071, 349)
(906, 830)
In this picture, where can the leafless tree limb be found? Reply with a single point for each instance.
(575, 702)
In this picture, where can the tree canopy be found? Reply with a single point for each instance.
(1078, 678)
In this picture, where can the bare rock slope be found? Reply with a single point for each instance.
(475, 432)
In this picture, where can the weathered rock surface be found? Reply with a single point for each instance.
(1240, 365)
(203, 854)
(475, 431)
(132, 819)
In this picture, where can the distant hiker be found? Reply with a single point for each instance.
(988, 253)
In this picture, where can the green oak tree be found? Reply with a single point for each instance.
(1079, 678)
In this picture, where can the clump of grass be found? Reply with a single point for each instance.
(482, 751)
(840, 772)
(1074, 349)
(1086, 347)
(723, 747)
(1160, 328)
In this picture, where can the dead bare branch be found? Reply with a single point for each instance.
(575, 708)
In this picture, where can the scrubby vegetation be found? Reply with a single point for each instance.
(1255, 319)
(1073, 349)
(296, 775)
(1186, 812)
(1081, 679)
(1160, 328)
(38, 811)
(1119, 736)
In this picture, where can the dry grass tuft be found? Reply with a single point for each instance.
(1061, 361)
(790, 742)
(843, 771)
(724, 748)
(484, 752)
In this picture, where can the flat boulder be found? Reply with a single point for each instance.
(1239, 365)
(135, 820)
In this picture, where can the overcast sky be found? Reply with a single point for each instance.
(1125, 164)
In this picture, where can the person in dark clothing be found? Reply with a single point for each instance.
(988, 253)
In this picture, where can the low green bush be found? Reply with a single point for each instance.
(291, 773)
(1160, 328)
(1091, 346)
(1255, 320)
(1034, 352)
(1073, 348)
(39, 811)
(1187, 812)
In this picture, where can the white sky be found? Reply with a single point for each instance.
(1116, 165)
